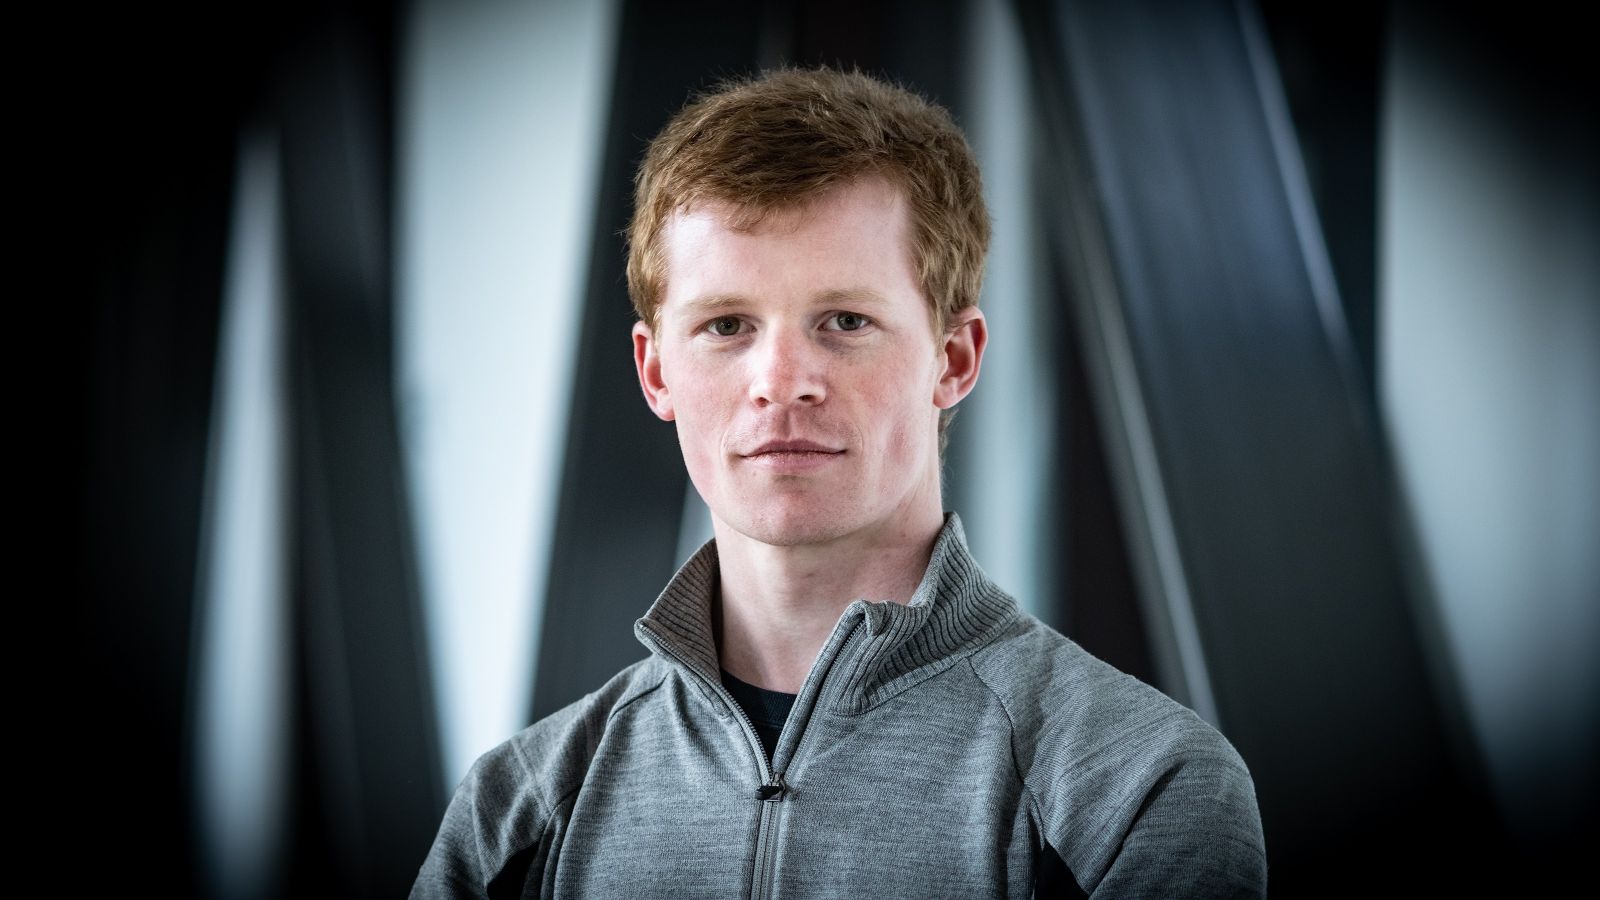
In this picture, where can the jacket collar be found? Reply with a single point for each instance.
(877, 649)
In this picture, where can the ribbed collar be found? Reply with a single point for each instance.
(954, 610)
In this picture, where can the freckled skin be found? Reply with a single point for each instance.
(793, 349)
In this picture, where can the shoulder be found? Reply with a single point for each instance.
(1065, 702)
(1121, 775)
(508, 799)
(546, 762)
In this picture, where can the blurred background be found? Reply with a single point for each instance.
(1291, 409)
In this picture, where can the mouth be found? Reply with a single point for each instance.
(784, 447)
(792, 456)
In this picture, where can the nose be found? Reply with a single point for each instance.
(788, 368)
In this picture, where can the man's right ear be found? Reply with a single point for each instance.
(648, 362)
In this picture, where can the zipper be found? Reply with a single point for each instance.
(762, 763)
(772, 790)
(766, 835)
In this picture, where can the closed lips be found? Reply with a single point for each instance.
(791, 447)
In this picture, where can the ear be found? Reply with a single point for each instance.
(648, 361)
(962, 350)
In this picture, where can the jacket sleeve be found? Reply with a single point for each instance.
(1164, 809)
(1196, 833)
(493, 841)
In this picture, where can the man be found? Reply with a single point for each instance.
(837, 702)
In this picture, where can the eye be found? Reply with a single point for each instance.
(847, 321)
(727, 326)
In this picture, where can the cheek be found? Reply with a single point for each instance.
(699, 455)
(698, 415)
(903, 402)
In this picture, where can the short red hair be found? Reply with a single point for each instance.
(781, 139)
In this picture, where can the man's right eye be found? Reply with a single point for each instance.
(724, 327)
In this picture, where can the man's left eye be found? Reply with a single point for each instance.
(727, 326)
(847, 321)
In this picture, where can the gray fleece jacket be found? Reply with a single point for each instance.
(933, 751)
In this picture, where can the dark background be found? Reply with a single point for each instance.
(1160, 203)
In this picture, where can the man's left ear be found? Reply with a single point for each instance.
(964, 339)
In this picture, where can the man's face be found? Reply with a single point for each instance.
(799, 361)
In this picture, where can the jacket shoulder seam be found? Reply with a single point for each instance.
(545, 805)
(653, 685)
(1011, 724)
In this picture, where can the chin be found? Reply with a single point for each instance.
(783, 526)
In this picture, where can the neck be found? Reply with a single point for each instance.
(779, 604)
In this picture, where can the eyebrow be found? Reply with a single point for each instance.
(716, 303)
(850, 295)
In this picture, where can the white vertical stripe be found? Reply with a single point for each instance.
(1009, 417)
(502, 108)
(1489, 379)
(241, 705)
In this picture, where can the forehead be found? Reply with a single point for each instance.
(856, 236)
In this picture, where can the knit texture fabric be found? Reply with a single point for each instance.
(933, 750)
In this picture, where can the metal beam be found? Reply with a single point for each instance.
(1253, 483)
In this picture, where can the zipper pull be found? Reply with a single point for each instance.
(772, 793)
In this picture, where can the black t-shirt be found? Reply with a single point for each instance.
(768, 710)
